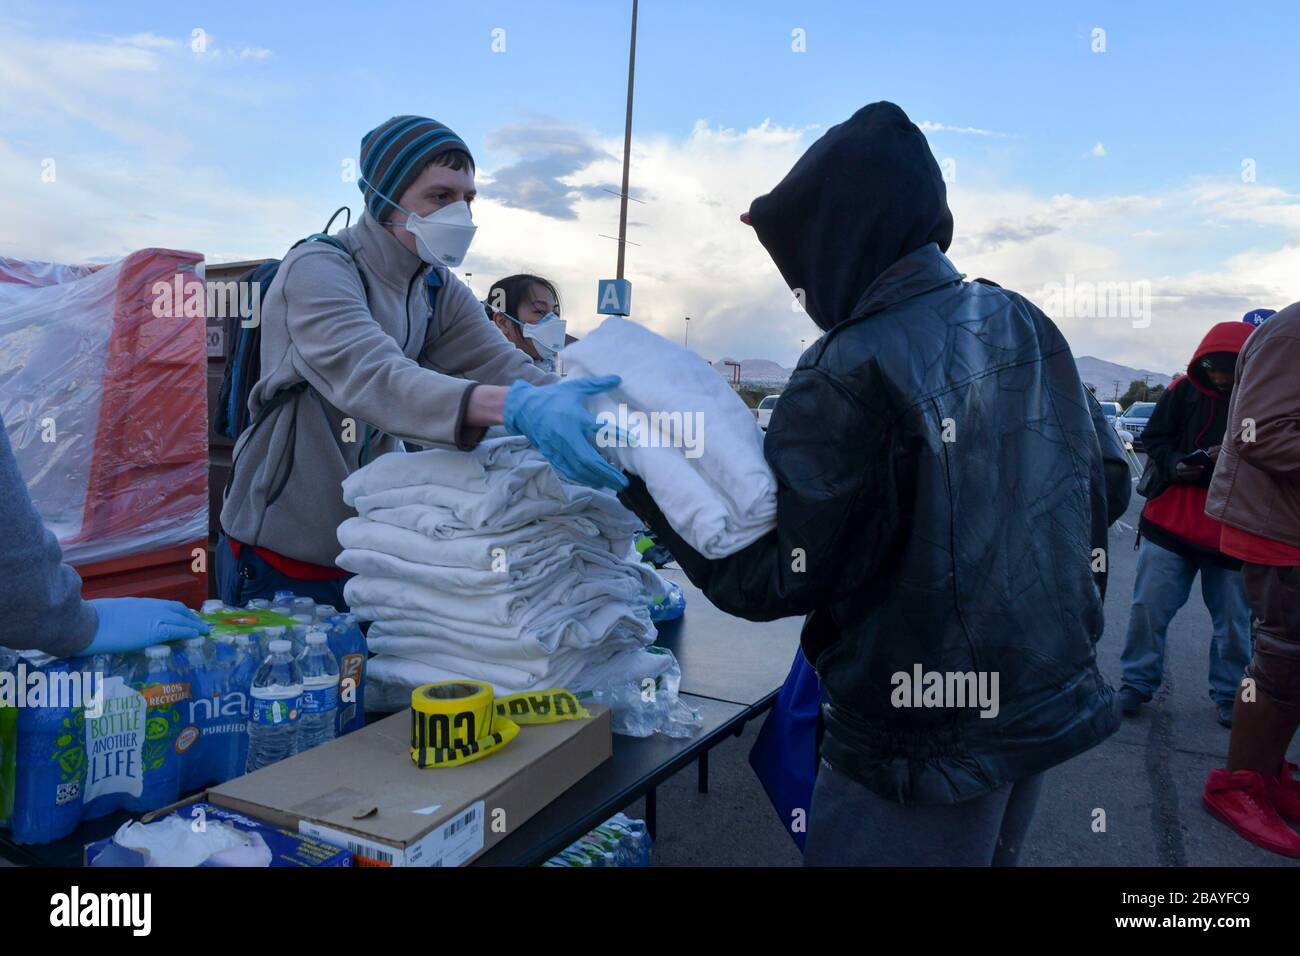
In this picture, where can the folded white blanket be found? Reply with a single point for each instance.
(524, 579)
(699, 449)
(592, 625)
(579, 612)
(502, 484)
(392, 678)
(520, 548)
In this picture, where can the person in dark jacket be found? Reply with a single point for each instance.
(1178, 540)
(941, 511)
(40, 598)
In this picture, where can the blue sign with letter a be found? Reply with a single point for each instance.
(614, 297)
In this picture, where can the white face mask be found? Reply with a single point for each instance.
(547, 333)
(442, 237)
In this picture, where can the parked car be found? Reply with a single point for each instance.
(1134, 419)
(1110, 410)
(764, 410)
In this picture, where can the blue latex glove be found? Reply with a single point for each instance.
(555, 419)
(129, 624)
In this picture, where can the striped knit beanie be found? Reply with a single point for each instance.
(394, 154)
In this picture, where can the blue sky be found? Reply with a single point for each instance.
(236, 150)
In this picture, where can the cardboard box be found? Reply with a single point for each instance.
(362, 792)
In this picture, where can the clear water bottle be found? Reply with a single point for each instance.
(259, 604)
(276, 707)
(190, 654)
(247, 660)
(264, 638)
(213, 607)
(304, 605)
(320, 692)
(282, 603)
(303, 624)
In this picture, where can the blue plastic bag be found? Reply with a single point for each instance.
(785, 754)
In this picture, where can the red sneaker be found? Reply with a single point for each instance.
(1285, 795)
(1241, 800)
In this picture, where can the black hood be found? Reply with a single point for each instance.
(864, 195)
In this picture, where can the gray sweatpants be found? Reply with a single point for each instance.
(848, 825)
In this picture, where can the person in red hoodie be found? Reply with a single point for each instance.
(1177, 539)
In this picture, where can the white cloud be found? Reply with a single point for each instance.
(695, 256)
(150, 40)
(926, 126)
(1097, 150)
(1210, 249)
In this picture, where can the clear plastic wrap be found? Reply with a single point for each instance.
(650, 706)
(103, 389)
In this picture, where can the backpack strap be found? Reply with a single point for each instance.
(292, 392)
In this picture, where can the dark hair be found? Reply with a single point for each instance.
(457, 159)
(513, 289)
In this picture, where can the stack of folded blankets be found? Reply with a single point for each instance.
(490, 565)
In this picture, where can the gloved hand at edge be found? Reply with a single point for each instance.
(555, 420)
(130, 624)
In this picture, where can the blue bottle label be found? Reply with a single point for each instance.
(276, 711)
(321, 699)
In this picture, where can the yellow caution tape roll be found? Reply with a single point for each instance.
(458, 721)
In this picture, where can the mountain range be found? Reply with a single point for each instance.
(1099, 373)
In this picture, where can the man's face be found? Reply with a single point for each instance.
(434, 188)
(1220, 380)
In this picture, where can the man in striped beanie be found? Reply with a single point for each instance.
(384, 344)
(415, 166)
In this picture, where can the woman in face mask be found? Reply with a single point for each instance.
(526, 309)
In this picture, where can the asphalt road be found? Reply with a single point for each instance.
(1147, 777)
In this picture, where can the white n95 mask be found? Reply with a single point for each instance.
(443, 237)
(547, 333)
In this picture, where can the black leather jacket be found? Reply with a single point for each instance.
(942, 492)
(971, 554)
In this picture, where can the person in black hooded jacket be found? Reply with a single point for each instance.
(1178, 540)
(942, 513)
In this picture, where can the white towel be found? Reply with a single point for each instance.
(520, 548)
(503, 483)
(579, 611)
(715, 486)
(393, 677)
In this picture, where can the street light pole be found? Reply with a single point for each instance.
(627, 147)
(687, 339)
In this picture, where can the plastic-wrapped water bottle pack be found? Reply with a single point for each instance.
(619, 841)
(137, 731)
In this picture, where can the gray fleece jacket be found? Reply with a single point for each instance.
(40, 596)
(380, 369)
